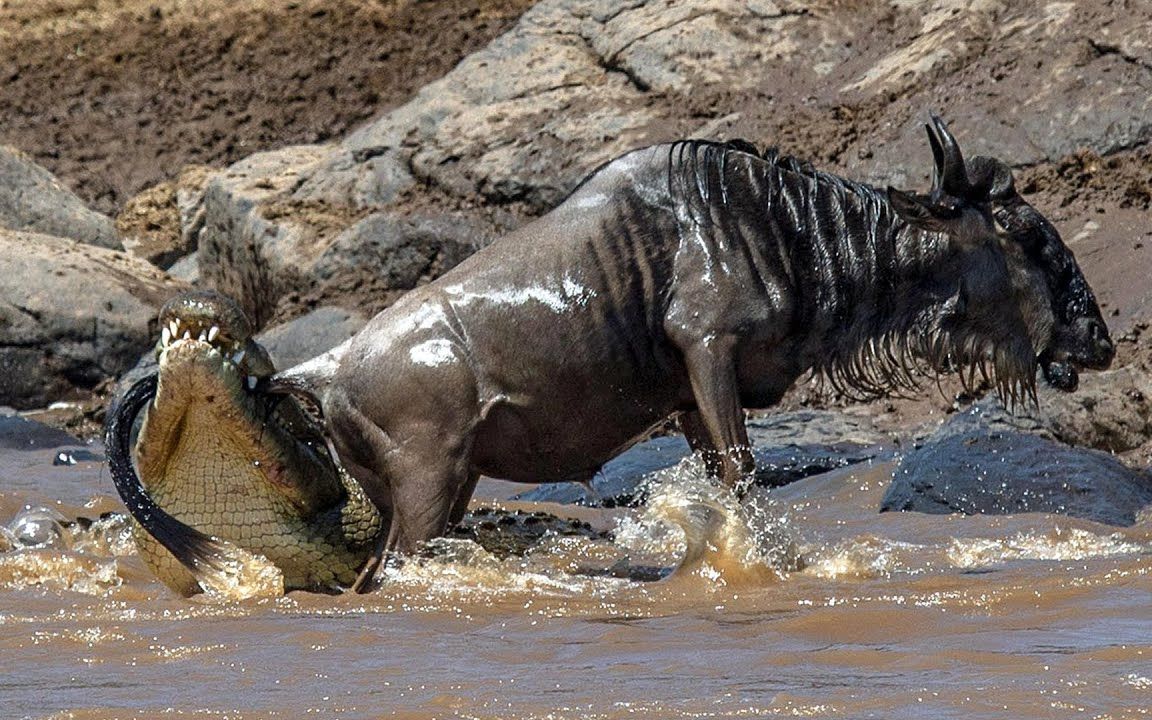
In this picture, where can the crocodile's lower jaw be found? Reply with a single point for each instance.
(192, 373)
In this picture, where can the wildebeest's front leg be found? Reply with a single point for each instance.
(717, 425)
(692, 425)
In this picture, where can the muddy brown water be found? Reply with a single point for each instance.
(899, 615)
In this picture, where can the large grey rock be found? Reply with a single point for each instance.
(71, 315)
(577, 82)
(981, 465)
(310, 335)
(33, 200)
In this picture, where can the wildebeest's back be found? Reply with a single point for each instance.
(526, 327)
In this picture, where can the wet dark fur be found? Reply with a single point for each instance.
(848, 254)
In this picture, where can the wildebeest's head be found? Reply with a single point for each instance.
(1021, 298)
(1048, 280)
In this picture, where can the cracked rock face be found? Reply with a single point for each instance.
(508, 132)
(71, 315)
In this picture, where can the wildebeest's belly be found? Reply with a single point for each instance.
(556, 439)
(559, 410)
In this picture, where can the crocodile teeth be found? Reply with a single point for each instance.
(187, 334)
(174, 328)
(203, 336)
(165, 337)
(213, 332)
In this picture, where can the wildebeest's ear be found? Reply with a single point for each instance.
(919, 211)
(995, 175)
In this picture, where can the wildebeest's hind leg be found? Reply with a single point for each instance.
(418, 468)
(718, 425)
(460, 507)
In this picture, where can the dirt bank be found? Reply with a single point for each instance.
(114, 96)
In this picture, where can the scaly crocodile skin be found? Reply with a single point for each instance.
(241, 466)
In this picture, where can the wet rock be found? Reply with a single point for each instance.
(71, 457)
(979, 465)
(788, 447)
(71, 315)
(20, 433)
(306, 337)
(619, 480)
(33, 200)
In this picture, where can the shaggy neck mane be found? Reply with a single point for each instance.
(868, 295)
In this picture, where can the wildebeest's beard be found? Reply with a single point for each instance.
(976, 333)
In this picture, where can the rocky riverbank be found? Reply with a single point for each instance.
(325, 158)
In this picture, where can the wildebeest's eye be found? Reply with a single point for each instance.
(1021, 226)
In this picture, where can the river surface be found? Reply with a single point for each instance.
(804, 602)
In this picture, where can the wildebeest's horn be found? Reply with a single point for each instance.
(953, 175)
(937, 158)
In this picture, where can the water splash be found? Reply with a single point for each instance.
(864, 557)
(241, 575)
(1060, 544)
(452, 571)
(59, 571)
(39, 527)
(701, 528)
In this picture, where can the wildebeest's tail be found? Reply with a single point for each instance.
(193, 549)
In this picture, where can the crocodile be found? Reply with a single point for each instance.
(220, 465)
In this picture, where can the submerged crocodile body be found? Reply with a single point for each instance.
(221, 465)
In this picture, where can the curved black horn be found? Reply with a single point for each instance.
(195, 550)
(937, 158)
(953, 174)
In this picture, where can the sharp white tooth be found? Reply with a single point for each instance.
(187, 334)
(213, 332)
(174, 328)
(165, 337)
(251, 382)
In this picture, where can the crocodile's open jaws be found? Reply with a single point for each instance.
(224, 466)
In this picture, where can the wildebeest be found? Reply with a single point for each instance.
(693, 279)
